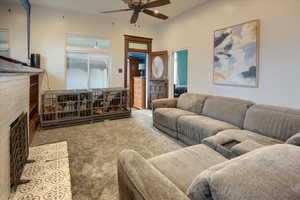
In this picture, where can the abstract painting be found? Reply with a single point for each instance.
(236, 55)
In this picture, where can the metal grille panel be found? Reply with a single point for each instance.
(19, 149)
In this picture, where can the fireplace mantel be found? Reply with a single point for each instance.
(17, 67)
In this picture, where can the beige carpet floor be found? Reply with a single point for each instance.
(93, 150)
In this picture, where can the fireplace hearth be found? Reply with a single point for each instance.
(19, 149)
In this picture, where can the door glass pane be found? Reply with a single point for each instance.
(77, 70)
(98, 71)
(158, 67)
(87, 42)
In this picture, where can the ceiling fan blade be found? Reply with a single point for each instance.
(156, 3)
(114, 11)
(154, 14)
(134, 17)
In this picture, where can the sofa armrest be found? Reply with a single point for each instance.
(164, 103)
(294, 140)
(270, 173)
(218, 143)
(139, 180)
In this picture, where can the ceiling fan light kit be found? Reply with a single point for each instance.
(138, 6)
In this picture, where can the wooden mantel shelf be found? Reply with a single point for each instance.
(16, 67)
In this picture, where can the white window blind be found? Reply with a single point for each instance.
(87, 68)
(4, 43)
(75, 41)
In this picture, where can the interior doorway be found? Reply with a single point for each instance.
(137, 50)
(180, 72)
(137, 63)
(145, 72)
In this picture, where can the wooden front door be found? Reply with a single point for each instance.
(157, 76)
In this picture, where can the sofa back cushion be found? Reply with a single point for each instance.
(192, 102)
(227, 109)
(270, 173)
(276, 122)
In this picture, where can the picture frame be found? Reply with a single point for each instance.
(237, 55)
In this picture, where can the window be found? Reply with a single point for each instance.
(141, 46)
(88, 62)
(4, 43)
(75, 41)
(180, 66)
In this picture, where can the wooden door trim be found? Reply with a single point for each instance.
(138, 51)
(135, 39)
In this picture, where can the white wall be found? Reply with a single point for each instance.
(49, 31)
(280, 47)
(16, 23)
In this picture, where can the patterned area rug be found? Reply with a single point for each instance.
(49, 174)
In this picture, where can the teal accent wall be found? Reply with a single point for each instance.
(182, 59)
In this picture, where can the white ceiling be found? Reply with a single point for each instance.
(176, 7)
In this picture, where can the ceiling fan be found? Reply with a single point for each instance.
(138, 6)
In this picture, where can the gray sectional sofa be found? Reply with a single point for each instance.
(242, 151)
(230, 126)
(195, 116)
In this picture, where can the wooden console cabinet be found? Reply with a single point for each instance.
(139, 100)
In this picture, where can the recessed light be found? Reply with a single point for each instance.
(156, 11)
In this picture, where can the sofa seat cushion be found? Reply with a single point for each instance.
(245, 147)
(198, 127)
(226, 142)
(270, 173)
(243, 135)
(165, 130)
(182, 166)
(167, 117)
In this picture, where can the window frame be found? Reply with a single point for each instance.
(107, 52)
(8, 38)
